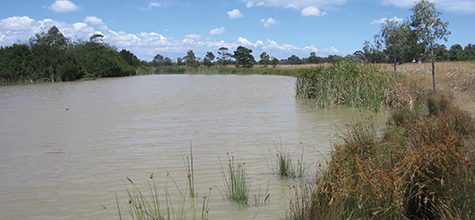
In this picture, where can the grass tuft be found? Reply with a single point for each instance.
(236, 182)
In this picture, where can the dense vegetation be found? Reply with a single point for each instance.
(355, 85)
(421, 168)
(52, 57)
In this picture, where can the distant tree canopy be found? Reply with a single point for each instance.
(244, 57)
(52, 57)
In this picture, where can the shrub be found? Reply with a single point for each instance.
(420, 169)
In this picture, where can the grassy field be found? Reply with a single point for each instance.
(456, 79)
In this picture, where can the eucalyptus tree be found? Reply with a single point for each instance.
(190, 58)
(469, 52)
(430, 29)
(208, 60)
(456, 53)
(265, 59)
(158, 60)
(396, 39)
(244, 57)
(274, 62)
(52, 38)
(223, 52)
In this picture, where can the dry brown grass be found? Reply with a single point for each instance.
(420, 169)
(457, 79)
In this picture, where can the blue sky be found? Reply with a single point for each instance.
(172, 27)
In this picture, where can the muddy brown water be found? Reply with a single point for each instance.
(67, 148)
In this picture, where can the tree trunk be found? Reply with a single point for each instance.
(394, 66)
(433, 75)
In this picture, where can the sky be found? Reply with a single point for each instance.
(172, 27)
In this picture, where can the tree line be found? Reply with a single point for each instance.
(50, 56)
(240, 58)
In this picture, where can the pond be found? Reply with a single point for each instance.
(67, 148)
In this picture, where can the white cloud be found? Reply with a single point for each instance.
(147, 45)
(154, 4)
(20, 29)
(383, 20)
(330, 51)
(244, 42)
(63, 6)
(300, 4)
(193, 36)
(16, 23)
(268, 22)
(217, 31)
(93, 20)
(251, 4)
(312, 11)
(234, 13)
(291, 6)
(459, 6)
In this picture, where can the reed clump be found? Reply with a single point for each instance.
(282, 164)
(352, 84)
(237, 185)
(157, 205)
(420, 168)
(150, 207)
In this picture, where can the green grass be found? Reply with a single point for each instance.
(236, 183)
(355, 85)
(281, 162)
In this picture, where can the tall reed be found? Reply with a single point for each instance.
(355, 85)
(281, 162)
(236, 183)
(145, 207)
(188, 162)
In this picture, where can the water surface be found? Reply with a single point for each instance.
(67, 148)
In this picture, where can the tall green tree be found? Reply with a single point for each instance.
(430, 29)
(224, 55)
(52, 38)
(15, 63)
(469, 52)
(312, 58)
(158, 60)
(456, 53)
(265, 59)
(441, 53)
(294, 60)
(372, 54)
(396, 39)
(190, 58)
(274, 62)
(208, 60)
(130, 58)
(244, 57)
